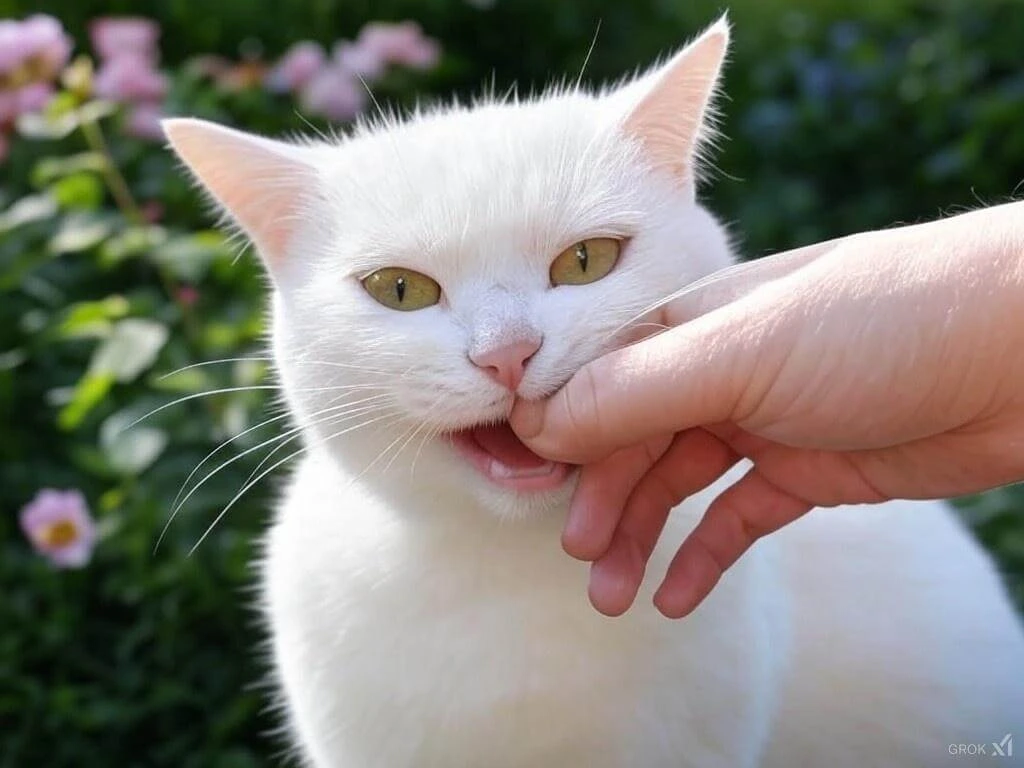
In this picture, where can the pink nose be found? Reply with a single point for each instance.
(506, 364)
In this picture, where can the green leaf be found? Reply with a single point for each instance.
(130, 451)
(79, 190)
(79, 232)
(188, 257)
(27, 210)
(51, 169)
(96, 110)
(58, 124)
(131, 242)
(92, 318)
(90, 390)
(131, 348)
(37, 125)
(12, 358)
(61, 104)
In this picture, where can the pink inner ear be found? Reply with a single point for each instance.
(256, 180)
(267, 208)
(669, 118)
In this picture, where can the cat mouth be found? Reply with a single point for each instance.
(499, 455)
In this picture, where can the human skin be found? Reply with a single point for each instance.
(887, 364)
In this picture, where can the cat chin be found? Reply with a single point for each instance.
(518, 506)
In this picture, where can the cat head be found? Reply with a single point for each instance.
(427, 272)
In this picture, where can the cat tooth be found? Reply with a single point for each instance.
(544, 469)
(501, 470)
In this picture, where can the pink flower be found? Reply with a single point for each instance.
(12, 47)
(143, 122)
(359, 59)
(153, 211)
(402, 43)
(35, 48)
(114, 36)
(60, 527)
(187, 295)
(32, 98)
(9, 110)
(129, 77)
(49, 47)
(296, 68)
(334, 93)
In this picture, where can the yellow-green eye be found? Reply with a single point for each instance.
(585, 262)
(402, 289)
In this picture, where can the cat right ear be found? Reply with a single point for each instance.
(262, 184)
(667, 110)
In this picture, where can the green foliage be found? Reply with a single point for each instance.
(844, 117)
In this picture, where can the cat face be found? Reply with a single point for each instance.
(428, 273)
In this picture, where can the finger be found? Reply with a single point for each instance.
(693, 461)
(742, 514)
(692, 374)
(601, 495)
(688, 376)
(727, 285)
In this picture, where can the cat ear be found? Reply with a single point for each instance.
(261, 183)
(667, 109)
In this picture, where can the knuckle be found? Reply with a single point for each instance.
(711, 552)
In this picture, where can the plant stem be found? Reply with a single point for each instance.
(111, 174)
(119, 190)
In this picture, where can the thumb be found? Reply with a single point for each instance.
(696, 373)
(690, 375)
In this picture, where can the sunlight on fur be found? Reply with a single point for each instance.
(420, 608)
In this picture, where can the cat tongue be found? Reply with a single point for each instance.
(501, 442)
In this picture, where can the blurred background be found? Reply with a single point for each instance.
(839, 116)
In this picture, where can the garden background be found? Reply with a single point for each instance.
(840, 116)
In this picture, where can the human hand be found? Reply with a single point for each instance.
(884, 365)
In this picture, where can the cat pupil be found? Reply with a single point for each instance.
(581, 254)
(400, 288)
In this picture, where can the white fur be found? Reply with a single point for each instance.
(422, 617)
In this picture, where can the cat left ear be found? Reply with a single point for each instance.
(668, 108)
(261, 183)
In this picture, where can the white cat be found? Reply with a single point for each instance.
(422, 611)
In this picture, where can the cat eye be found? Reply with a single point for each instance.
(402, 289)
(585, 262)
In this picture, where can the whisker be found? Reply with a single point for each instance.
(250, 388)
(384, 452)
(266, 472)
(297, 434)
(702, 282)
(586, 59)
(409, 439)
(429, 435)
(270, 359)
(218, 449)
(215, 362)
(290, 434)
(194, 395)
